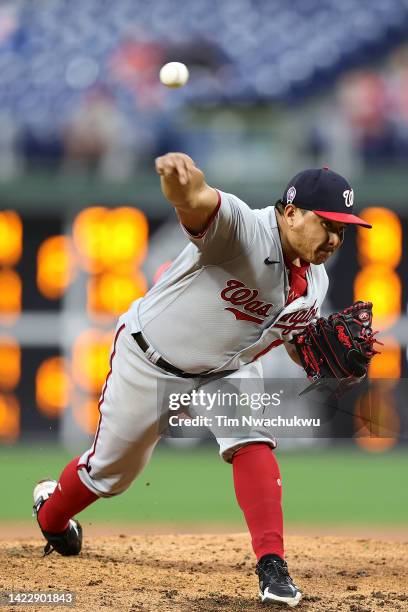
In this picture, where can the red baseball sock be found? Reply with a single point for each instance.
(70, 497)
(258, 489)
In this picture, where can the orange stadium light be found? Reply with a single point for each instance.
(52, 386)
(10, 363)
(108, 239)
(10, 296)
(128, 237)
(383, 243)
(56, 266)
(86, 414)
(90, 359)
(112, 294)
(91, 238)
(382, 286)
(388, 363)
(9, 418)
(377, 422)
(11, 238)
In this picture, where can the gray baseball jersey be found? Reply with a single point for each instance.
(220, 306)
(222, 302)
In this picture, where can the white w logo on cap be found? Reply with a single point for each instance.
(348, 196)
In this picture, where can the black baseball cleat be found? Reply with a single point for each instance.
(69, 541)
(275, 584)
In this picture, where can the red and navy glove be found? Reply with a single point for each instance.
(340, 347)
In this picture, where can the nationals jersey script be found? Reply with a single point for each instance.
(221, 304)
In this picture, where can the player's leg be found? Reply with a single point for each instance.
(258, 489)
(126, 436)
(69, 496)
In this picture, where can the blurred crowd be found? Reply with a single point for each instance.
(368, 116)
(79, 84)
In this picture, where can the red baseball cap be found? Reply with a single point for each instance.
(324, 192)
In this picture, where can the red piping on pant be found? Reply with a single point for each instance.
(91, 454)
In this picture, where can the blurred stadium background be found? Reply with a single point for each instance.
(84, 230)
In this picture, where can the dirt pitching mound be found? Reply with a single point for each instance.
(204, 573)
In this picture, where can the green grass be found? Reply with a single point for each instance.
(189, 486)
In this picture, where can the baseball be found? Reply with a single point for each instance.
(174, 74)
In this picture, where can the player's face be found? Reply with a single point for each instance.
(313, 238)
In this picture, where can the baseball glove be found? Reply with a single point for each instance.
(336, 352)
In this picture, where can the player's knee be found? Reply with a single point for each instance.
(227, 454)
(104, 485)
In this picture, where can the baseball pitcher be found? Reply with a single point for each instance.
(248, 281)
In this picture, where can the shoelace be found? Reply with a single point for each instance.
(280, 569)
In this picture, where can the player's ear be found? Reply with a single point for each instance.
(290, 213)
